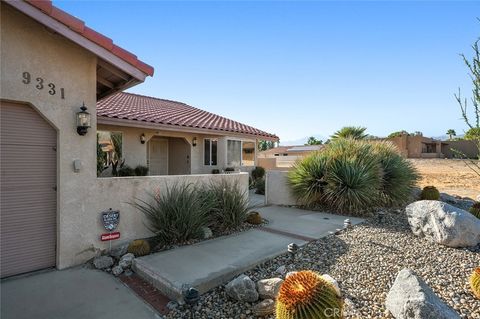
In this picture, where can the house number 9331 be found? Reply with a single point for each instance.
(41, 84)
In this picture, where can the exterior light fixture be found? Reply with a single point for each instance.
(347, 223)
(83, 120)
(292, 250)
(142, 138)
(194, 142)
(381, 216)
(191, 296)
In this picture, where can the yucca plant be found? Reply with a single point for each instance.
(399, 176)
(306, 295)
(230, 205)
(178, 214)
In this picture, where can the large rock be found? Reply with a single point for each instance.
(443, 223)
(126, 260)
(103, 262)
(242, 288)
(411, 298)
(269, 288)
(119, 250)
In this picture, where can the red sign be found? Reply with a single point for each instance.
(110, 236)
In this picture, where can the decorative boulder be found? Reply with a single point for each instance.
(117, 270)
(119, 251)
(242, 288)
(264, 308)
(126, 260)
(443, 223)
(103, 262)
(206, 233)
(411, 298)
(268, 288)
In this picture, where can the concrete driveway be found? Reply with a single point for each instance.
(70, 294)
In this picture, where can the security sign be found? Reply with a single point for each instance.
(110, 219)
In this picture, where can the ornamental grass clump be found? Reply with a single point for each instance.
(306, 295)
(352, 176)
(178, 214)
(230, 205)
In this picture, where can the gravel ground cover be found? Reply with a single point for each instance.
(365, 261)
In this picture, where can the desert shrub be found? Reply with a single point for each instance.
(141, 170)
(215, 171)
(126, 171)
(139, 247)
(398, 175)
(430, 193)
(178, 214)
(258, 172)
(260, 186)
(475, 209)
(306, 295)
(352, 175)
(230, 206)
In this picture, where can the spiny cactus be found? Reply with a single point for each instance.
(254, 218)
(475, 209)
(139, 247)
(475, 282)
(430, 193)
(306, 295)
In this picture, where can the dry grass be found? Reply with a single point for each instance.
(449, 176)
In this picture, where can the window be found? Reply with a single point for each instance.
(210, 152)
(240, 153)
(109, 152)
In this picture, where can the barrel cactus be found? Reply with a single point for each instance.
(306, 295)
(430, 193)
(139, 247)
(475, 282)
(254, 218)
(475, 210)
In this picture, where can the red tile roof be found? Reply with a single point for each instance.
(136, 107)
(79, 26)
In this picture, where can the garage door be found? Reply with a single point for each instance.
(28, 190)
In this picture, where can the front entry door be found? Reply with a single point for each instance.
(158, 158)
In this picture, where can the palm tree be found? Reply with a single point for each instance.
(353, 132)
(451, 132)
(313, 141)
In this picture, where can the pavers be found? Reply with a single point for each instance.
(208, 264)
(75, 293)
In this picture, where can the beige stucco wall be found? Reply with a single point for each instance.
(277, 191)
(26, 46)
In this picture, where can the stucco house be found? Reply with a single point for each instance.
(55, 70)
(283, 157)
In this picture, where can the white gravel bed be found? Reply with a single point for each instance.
(365, 261)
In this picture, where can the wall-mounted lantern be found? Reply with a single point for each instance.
(83, 120)
(194, 142)
(142, 138)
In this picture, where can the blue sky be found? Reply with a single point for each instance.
(296, 68)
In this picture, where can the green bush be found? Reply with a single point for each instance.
(475, 209)
(141, 170)
(258, 172)
(260, 186)
(399, 177)
(215, 171)
(230, 207)
(352, 175)
(430, 193)
(126, 171)
(178, 214)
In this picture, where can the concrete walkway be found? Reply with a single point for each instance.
(208, 264)
(73, 293)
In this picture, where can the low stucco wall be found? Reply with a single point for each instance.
(118, 193)
(277, 191)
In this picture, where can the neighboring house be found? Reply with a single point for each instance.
(283, 157)
(415, 146)
(51, 199)
(173, 138)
